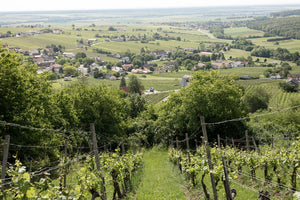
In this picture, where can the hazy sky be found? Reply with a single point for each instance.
(31, 5)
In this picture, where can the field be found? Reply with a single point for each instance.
(242, 32)
(160, 84)
(278, 98)
(291, 45)
(241, 71)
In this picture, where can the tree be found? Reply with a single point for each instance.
(210, 95)
(137, 104)
(287, 87)
(123, 82)
(26, 98)
(80, 55)
(135, 85)
(102, 105)
(257, 99)
(111, 28)
(70, 70)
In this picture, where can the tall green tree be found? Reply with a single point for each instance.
(137, 104)
(102, 105)
(123, 82)
(135, 85)
(215, 97)
(26, 98)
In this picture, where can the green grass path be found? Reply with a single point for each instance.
(161, 179)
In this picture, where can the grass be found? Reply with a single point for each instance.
(161, 179)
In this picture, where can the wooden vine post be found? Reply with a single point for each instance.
(187, 146)
(219, 141)
(256, 148)
(4, 161)
(122, 145)
(247, 141)
(65, 168)
(95, 148)
(227, 185)
(213, 183)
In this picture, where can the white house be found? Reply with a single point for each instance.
(83, 70)
(69, 55)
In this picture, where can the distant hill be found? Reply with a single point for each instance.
(287, 27)
(286, 13)
(135, 16)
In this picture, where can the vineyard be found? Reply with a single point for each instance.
(113, 180)
(278, 98)
(156, 98)
(116, 174)
(271, 170)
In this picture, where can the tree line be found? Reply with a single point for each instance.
(285, 27)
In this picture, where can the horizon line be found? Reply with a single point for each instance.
(152, 8)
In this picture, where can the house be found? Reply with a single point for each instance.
(160, 54)
(31, 32)
(125, 60)
(46, 63)
(276, 76)
(56, 31)
(40, 71)
(294, 76)
(118, 69)
(107, 39)
(293, 82)
(237, 64)
(246, 77)
(121, 29)
(125, 89)
(293, 79)
(107, 76)
(116, 55)
(68, 78)
(83, 70)
(69, 55)
(141, 71)
(205, 53)
(170, 65)
(201, 65)
(189, 49)
(98, 59)
(92, 40)
(118, 39)
(56, 68)
(38, 59)
(113, 78)
(185, 80)
(127, 66)
(34, 52)
(95, 65)
(220, 64)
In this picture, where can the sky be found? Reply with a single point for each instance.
(42, 5)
